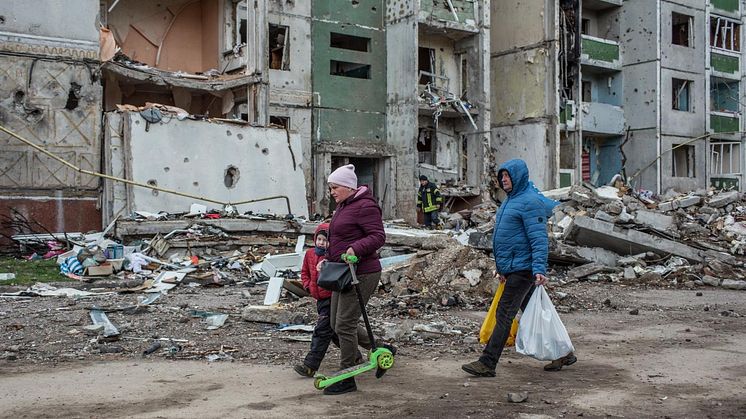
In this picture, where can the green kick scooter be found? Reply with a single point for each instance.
(380, 358)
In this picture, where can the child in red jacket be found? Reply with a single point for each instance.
(322, 333)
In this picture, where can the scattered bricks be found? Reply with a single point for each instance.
(711, 281)
(733, 284)
(723, 199)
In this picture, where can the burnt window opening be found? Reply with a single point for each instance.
(345, 69)
(426, 64)
(230, 177)
(681, 29)
(426, 146)
(683, 161)
(587, 93)
(585, 26)
(280, 121)
(350, 42)
(279, 48)
(681, 92)
(725, 34)
(73, 96)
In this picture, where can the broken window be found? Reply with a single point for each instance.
(279, 50)
(587, 89)
(351, 42)
(425, 146)
(345, 69)
(724, 95)
(426, 64)
(681, 94)
(241, 24)
(281, 121)
(725, 34)
(725, 158)
(683, 161)
(681, 26)
(585, 26)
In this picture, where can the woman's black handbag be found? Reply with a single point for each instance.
(335, 276)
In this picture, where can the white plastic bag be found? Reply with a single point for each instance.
(541, 334)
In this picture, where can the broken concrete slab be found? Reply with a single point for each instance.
(588, 269)
(711, 281)
(589, 232)
(271, 314)
(629, 273)
(723, 199)
(654, 220)
(733, 284)
(683, 202)
(598, 255)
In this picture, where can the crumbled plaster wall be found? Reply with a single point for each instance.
(265, 161)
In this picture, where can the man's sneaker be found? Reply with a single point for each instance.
(342, 387)
(478, 369)
(565, 361)
(380, 371)
(304, 370)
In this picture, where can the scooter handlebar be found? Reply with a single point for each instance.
(351, 259)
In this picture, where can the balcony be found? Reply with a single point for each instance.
(724, 122)
(601, 4)
(600, 53)
(602, 118)
(728, 6)
(726, 64)
(437, 16)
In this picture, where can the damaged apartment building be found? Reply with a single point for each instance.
(248, 103)
(648, 89)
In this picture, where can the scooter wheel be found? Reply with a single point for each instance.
(385, 361)
(317, 382)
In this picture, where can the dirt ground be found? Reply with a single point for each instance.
(681, 356)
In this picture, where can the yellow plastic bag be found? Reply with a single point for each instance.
(488, 325)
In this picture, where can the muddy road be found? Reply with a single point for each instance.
(683, 355)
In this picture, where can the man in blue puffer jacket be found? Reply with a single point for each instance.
(521, 247)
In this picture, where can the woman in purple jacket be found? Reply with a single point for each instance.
(356, 229)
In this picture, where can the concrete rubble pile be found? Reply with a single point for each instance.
(693, 239)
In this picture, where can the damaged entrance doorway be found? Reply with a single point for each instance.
(368, 172)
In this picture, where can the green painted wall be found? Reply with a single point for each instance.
(600, 50)
(719, 123)
(726, 5)
(464, 10)
(724, 63)
(334, 124)
(348, 108)
(365, 13)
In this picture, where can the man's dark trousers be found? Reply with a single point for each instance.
(323, 334)
(517, 287)
(431, 218)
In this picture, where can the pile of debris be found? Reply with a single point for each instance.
(693, 239)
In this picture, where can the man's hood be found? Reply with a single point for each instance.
(518, 172)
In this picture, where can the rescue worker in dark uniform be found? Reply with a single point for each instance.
(429, 201)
